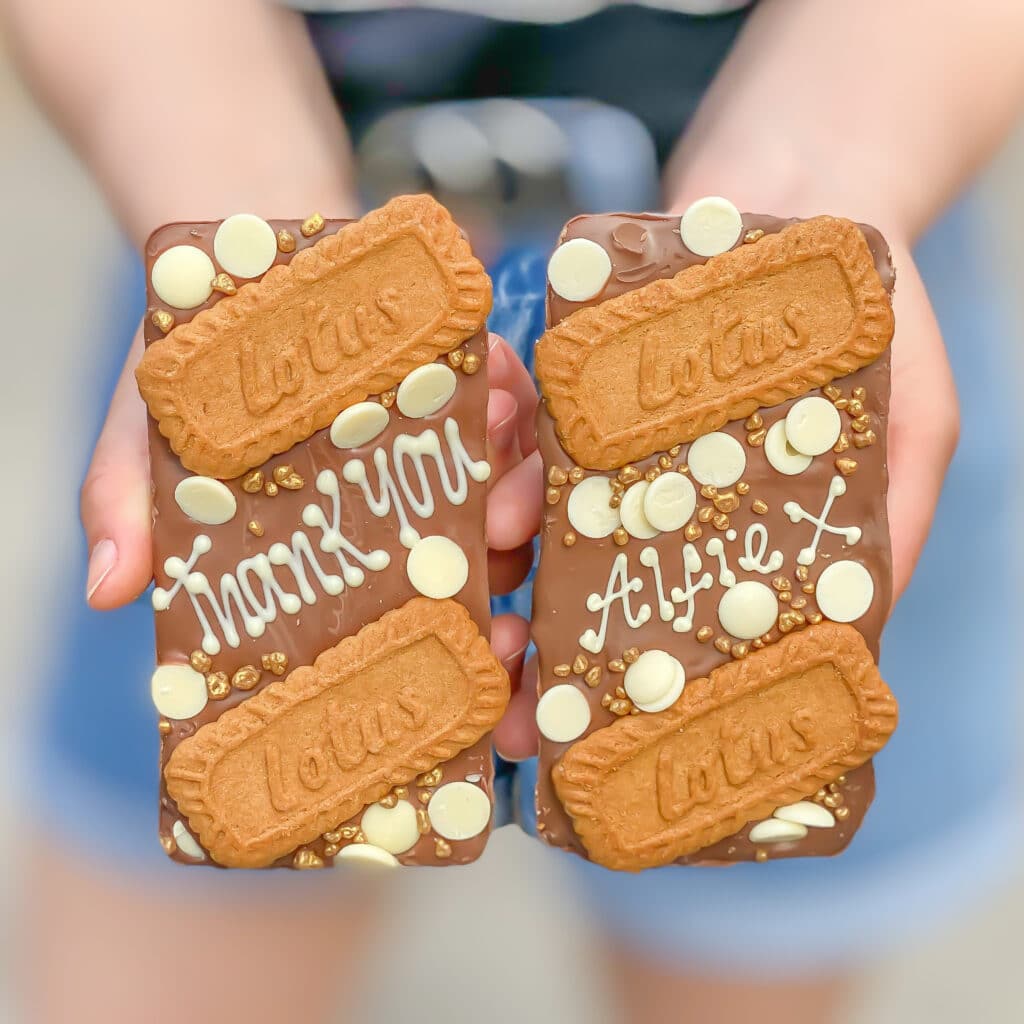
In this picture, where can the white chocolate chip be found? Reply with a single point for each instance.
(459, 810)
(563, 713)
(710, 226)
(245, 245)
(391, 828)
(365, 855)
(669, 502)
(781, 455)
(844, 591)
(186, 843)
(632, 512)
(716, 459)
(437, 567)
(588, 509)
(426, 390)
(182, 276)
(205, 500)
(179, 691)
(813, 425)
(748, 609)
(579, 269)
(773, 830)
(359, 424)
(654, 681)
(806, 812)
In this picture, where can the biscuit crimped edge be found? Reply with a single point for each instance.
(627, 412)
(278, 819)
(222, 420)
(610, 833)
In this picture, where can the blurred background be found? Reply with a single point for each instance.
(64, 266)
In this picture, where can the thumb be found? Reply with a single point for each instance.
(115, 500)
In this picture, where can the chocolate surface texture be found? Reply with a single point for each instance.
(325, 560)
(772, 553)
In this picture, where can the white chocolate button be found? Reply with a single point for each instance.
(806, 812)
(437, 567)
(186, 843)
(632, 512)
(563, 713)
(710, 226)
(579, 269)
(391, 828)
(776, 831)
(669, 502)
(844, 591)
(365, 855)
(813, 425)
(459, 810)
(245, 245)
(716, 459)
(205, 500)
(781, 455)
(358, 424)
(654, 681)
(426, 390)
(588, 509)
(748, 609)
(179, 691)
(182, 276)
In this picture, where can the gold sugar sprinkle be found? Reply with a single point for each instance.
(255, 527)
(331, 849)
(814, 618)
(753, 235)
(580, 664)
(832, 787)
(740, 651)
(798, 603)
(705, 514)
(442, 849)
(743, 487)
(618, 487)
(788, 621)
(675, 450)
(620, 707)
(841, 403)
(846, 466)
(855, 408)
(842, 444)
(431, 778)
(470, 364)
(860, 393)
(630, 655)
(388, 801)
(761, 856)
(722, 644)
(606, 699)
(758, 506)
(223, 283)
(164, 728)
(617, 665)
(576, 474)
(593, 675)
(312, 225)
(401, 792)
(162, 320)
(615, 501)
(683, 468)
(285, 241)
(422, 821)
(252, 482)
(782, 583)
(387, 398)
(865, 439)
(757, 643)
(306, 859)
(860, 424)
(562, 671)
(727, 502)
(842, 813)
(665, 462)
(652, 474)
(756, 437)
(552, 495)
(755, 422)
(169, 845)
(620, 692)
(270, 489)
(629, 474)
(569, 539)
(720, 521)
(841, 780)
(833, 800)
(200, 661)
(808, 588)
(620, 536)
(425, 795)
(704, 634)
(708, 491)
(785, 596)
(831, 392)
(557, 476)
(692, 531)
(455, 358)
(286, 477)
(217, 685)
(246, 677)
(803, 574)
(276, 662)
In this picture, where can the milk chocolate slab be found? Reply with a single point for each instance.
(259, 575)
(795, 539)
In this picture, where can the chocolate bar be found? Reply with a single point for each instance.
(715, 568)
(317, 392)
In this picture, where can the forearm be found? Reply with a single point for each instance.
(188, 109)
(888, 108)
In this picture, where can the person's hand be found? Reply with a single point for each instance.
(923, 428)
(117, 513)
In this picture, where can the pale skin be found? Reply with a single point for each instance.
(908, 100)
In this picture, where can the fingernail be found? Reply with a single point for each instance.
(504, 434)
(101, 562)
(497, 361)
(510, 660)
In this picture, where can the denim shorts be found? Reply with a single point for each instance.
(945, 822)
